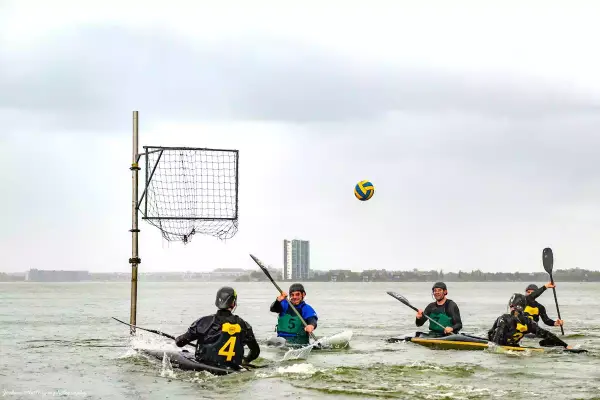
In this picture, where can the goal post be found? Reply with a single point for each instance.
(187, 191)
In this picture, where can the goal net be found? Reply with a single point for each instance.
(191, 191)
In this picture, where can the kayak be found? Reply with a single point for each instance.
(464, 342)
(460, 342)
(452, 342)
(185, 360)
(340, 340)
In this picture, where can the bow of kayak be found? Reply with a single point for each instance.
(185, 360)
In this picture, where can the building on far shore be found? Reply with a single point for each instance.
(296, 260)
(36, 275)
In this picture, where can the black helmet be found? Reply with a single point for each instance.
(518, 301)
(439, 285)
(533, 286)
(297, 287)
(226, 298)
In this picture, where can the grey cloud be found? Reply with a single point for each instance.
(90, 77)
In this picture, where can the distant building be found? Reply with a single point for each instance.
(37, 275)
(296, 260)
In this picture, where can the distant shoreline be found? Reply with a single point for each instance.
(539, 283)
(240, 275)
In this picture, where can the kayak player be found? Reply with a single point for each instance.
(509, 329)
(221, 337)
(442, 310)
(536, 310)
(289, 325)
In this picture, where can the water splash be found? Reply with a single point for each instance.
(167, 368)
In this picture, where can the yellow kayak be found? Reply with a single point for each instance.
(459, 345)
(467, 342)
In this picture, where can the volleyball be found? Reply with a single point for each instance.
(364, 190)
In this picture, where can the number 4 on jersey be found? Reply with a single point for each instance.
(227, 349)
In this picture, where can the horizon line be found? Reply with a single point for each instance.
(224, 270)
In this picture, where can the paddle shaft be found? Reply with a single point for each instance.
(548, 263)
(153, 331)
(147, 330)
(556, 302)
(266, 272)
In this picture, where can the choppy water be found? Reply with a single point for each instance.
(59, 340)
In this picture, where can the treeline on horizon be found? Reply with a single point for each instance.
(568, 275)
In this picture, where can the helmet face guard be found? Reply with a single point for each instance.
(517, 302)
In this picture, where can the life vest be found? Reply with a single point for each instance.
(441, 317)
(228, 350)
(532, 312)
(517, 333)
(291, 328)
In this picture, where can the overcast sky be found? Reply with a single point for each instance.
(480, 128)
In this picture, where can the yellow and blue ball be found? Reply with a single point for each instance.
(364, 190)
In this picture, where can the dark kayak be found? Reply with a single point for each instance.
(185, 360)
(464, 342)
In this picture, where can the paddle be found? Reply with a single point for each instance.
(148, 330)
(173, 337)
(548, 262)
(404, 301)
(264, 269)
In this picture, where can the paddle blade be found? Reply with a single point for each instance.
(337, 341)
(295, 354)
(401, 299)
(258, 262)
(576, 351)
(262, 266)
(548, 259)
(266, 272)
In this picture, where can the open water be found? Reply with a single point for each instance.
(57, 340)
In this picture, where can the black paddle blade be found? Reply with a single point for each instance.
(401, 299)
(266, 272)
(576, 351)
(398, 339)
(398, 297)
(258, 262)
(262, 266)
(548, 259)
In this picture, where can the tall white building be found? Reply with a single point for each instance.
(296, 260)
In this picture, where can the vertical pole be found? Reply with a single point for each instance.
(134, 260)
